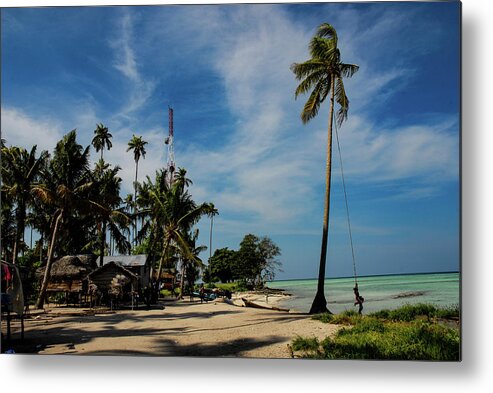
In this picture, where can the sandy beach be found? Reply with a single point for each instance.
(181, 328)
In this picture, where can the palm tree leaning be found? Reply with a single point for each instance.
(137, 144)
(322, 74)
(102, 138)
(65, 190)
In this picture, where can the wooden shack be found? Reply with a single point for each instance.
(112, 281)
(68, 273)
(137, 264)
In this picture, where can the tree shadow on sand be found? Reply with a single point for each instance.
(165, 347)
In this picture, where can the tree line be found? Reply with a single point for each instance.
(254, 263)
(79, 209)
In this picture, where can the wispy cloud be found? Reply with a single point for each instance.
(125, 57)
(428, 151)
(272, 167)
(140, 88)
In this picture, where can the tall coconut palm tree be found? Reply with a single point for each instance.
(65, 189)
(322, 74)
(137, 145)
(212, 213)
(20, 172)
(107, 203)
(102, 138)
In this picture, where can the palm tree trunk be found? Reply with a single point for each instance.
(182, 281)
(14, 253)
(19, 236)
(163, 256)
(135, 200)
(319, 304)
(210, 240)
(103, 241)
(46, 278)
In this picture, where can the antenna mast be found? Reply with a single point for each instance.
(170, 165)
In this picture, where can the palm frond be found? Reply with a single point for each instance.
(348, 70)
(342, 100)
(328, 31)
(44, 194)
(122, 244)
(312, 105)
(302, 70)
(309, 81)
(324, 49)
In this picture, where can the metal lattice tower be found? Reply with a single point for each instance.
(170, 165)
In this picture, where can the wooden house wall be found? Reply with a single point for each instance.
(66, 286)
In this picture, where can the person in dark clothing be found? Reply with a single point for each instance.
(358, 299)
(202, 293)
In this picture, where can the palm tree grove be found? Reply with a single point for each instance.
(77, 208)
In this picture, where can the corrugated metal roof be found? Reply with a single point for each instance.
(126, 260)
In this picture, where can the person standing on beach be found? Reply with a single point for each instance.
(358, 299)
(201, 293)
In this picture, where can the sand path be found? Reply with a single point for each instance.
(181, 329)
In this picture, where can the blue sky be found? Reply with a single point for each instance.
(225, 71)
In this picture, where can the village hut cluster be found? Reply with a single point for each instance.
(78, 280)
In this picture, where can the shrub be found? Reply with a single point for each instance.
(348, 317)
(165, 292)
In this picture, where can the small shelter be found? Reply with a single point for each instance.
(112, 281)
(68, 273)
(137, 264)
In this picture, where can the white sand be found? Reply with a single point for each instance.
(181, 329)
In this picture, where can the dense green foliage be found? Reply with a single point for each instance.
(251, 266)
(411, 332)
(75, 208)
(222, 266)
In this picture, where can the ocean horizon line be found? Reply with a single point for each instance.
(370, 275)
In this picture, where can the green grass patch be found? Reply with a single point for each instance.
(348, 317)
(412, 332)
(411, 312)
(374, 339)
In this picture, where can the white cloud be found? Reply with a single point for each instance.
(21, 130)
(428, 151)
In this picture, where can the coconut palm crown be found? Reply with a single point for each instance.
(102, 138)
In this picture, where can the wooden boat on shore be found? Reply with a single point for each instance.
(249, 303)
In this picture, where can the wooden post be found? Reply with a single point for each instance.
(8, 324)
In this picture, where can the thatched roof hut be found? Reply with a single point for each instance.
(112, 278)
(68, 272)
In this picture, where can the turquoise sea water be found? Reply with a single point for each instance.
(380, 292)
